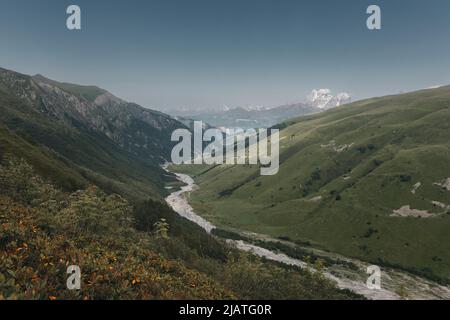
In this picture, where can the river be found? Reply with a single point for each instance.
(346, 278)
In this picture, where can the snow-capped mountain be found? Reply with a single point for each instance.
(260, 116)
(323, 99)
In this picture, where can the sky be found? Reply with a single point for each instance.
(167, 54)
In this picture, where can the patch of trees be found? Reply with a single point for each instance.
(405, 178)
(148, 213)
(364, 149)
(370, 232)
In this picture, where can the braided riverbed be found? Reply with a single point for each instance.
(354, 279)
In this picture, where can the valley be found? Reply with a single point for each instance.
(81, 184)
(202, 155)
(361, 184)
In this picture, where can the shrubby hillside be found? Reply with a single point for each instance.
(125, 250)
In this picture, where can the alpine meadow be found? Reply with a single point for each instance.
(224, 159)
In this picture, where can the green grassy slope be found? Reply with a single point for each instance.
(363, 160)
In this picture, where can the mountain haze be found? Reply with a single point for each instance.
(263, 117)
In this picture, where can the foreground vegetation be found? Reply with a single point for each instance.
(125, 250)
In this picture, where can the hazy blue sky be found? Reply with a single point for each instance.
(206, 53)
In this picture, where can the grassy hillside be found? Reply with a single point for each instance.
(342, 175)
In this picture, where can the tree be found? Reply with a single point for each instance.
(161, 229)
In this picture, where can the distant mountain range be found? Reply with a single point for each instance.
(261, 117)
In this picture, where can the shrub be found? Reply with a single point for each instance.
(161, 229)
(405, 178)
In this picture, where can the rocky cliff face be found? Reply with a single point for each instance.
(138, 130)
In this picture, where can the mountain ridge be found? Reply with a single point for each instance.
(62, 116)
